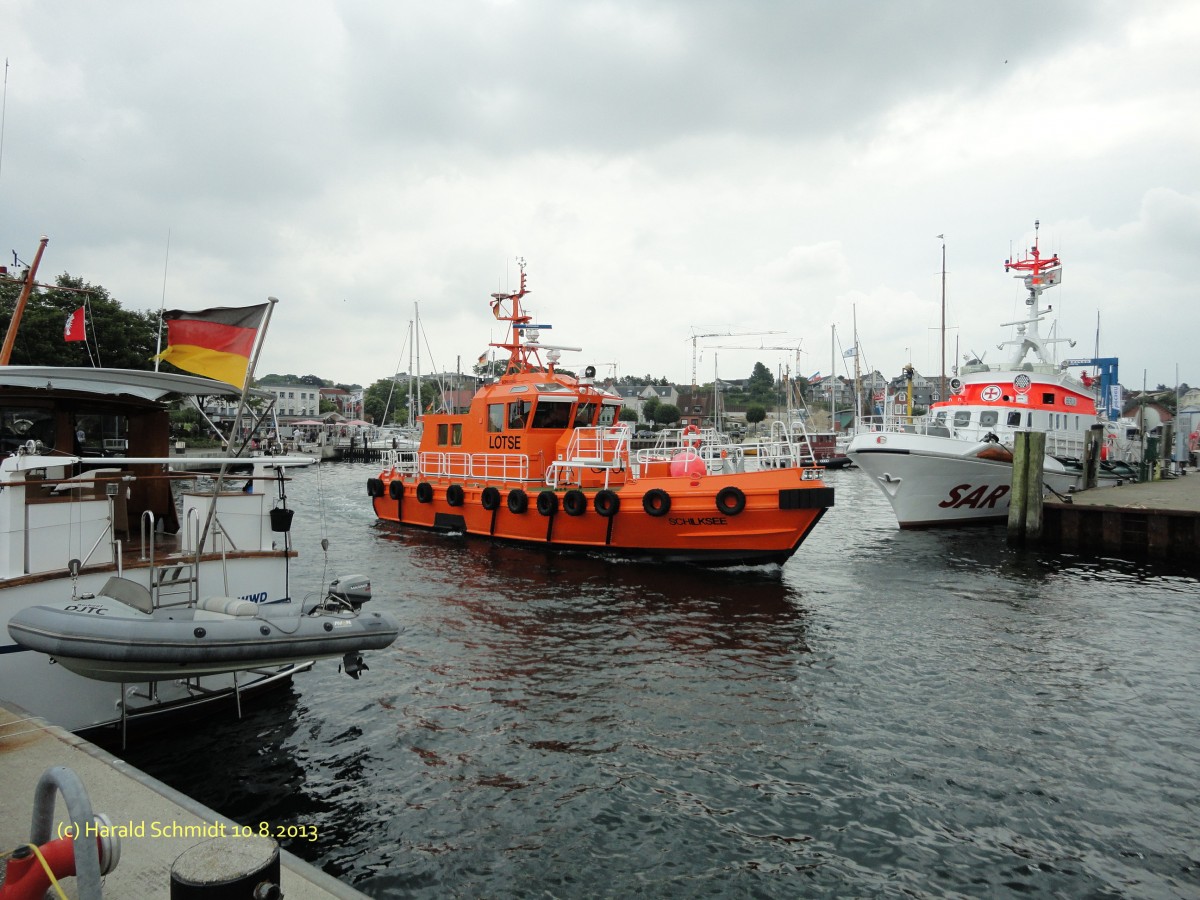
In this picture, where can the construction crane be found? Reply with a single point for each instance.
(760, 347)
(795, 348)
(612, 366)
(696, 337)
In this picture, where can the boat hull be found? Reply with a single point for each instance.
(35, 683)
(778, 511)
(933, 481)
(99, 639)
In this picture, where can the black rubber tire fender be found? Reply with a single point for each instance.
(731, 500)
(607, 503)
(656, 502)
(575, 503)
(547, 503)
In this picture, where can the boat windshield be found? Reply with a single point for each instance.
(518, 414)
(584, 414)
(495, 420)
(552, 414)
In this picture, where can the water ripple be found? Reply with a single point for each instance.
(891, 714)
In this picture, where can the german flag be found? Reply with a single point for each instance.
(216, 343)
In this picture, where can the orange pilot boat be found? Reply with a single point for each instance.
(541, 458)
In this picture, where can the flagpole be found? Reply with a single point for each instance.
(96, 363)
(163, 305)
(237, 420)
(262, 333)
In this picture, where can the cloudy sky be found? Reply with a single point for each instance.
(666, 167)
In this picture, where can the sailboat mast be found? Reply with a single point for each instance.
(716, 396)
(832, 375)
(412, 415)
(417, 346)
(942, 385)
(857, 370)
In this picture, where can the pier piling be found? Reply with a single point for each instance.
(1025, 507)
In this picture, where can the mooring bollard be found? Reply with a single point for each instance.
(228, 868)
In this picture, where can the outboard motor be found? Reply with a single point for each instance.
(353, 665)
(353, 589)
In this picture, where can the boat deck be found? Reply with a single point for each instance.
(130, 798)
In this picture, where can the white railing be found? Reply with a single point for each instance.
(601, 448)
(500, 466)
(907, 425)
(482, 466)
(1058, 443)
(403, 462)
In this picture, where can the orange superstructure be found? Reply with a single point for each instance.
(540, 457)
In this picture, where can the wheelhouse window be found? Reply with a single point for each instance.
(518, 414)
(940, 418)
(1048, 399)
(608, 415)
(988, 418)
(456, 434)
(552, 413)
(962, 418)
(443, 434)
(584, 414)
(102, 434)
(495, 420)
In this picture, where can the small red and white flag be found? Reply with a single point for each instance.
(74, 330)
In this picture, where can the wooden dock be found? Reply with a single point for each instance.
(160, 823)
(1157, 519)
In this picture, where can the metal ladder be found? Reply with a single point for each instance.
(179, 578)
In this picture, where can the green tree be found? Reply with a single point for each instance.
(760, 385)
(491, 368)
(310, 380)
(117, 338)
(627, 414)
(666, 413)
(649, 407)
(755, 413)
(375, 400)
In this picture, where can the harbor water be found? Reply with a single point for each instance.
(891, 714)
